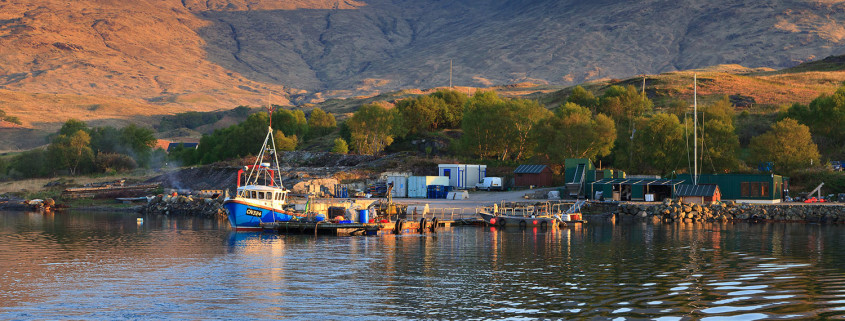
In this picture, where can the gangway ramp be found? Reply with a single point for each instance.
(575, 187)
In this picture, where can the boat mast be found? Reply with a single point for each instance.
(276, 169)
(269, 146)
(695, 129)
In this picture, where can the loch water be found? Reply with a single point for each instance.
(110, 266)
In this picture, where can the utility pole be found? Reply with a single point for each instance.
(450, 73)
(643, 87)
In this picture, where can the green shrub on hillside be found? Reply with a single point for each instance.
(340, 146)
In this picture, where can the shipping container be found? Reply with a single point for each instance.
(418, 185)
(462, 175)
(400, 185)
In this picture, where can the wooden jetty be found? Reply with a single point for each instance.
(109, 191)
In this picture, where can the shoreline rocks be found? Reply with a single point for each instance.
(184, 206)
(674, 211)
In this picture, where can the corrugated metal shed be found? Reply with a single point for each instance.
(696, 190)
(627, 189)
(639, 181)
(537, 175)
(529, 169)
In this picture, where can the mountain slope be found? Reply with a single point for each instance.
(112, 59)
(399, 44)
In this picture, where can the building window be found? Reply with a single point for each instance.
(755, 189)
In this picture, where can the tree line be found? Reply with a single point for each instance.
(621, 127)
(79, 149)
(291, 128)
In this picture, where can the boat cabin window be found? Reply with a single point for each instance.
(270, 196)
(261, 195)
(253, 194)
(278, 196)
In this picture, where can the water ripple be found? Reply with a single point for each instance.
(107, 267)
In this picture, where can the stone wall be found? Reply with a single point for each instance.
(673, 211)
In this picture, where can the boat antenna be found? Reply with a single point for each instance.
(270, 109)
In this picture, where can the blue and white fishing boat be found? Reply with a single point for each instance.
(262, 197)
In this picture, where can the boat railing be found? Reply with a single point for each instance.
(447, 213)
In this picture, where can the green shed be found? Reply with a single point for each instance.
(633, 189)
(746, 188)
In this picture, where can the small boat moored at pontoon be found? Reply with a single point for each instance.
(542, 216)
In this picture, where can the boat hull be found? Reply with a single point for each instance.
(244, 216)
(526, 221)
(518, 221)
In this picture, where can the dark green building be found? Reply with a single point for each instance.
(633, 189)
(746, 188)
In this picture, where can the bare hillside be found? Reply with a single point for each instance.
(116, 61)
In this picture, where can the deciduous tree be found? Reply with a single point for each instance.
(718, 139)
(658, 145)
(420, 114)
(72, 152)
(451, 116)
(787, 144)
(825, 117)
(320, 122)
(573, 132)
(290, 122)
(372, 129)
(500, 129)
(582, 97)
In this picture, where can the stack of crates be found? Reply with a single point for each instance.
(377, 189)
(438, 191)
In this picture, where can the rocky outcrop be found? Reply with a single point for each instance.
(184, 206)
(673, 211)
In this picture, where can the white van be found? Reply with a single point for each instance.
(490, 183)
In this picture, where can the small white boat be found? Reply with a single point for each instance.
(542, 216)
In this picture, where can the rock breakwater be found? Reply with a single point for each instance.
(184, 206)
(674, 211)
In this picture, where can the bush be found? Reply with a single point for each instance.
(340, 146)
(107, 162)
(30, 164)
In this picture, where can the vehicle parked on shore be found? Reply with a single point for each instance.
(490, 183)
